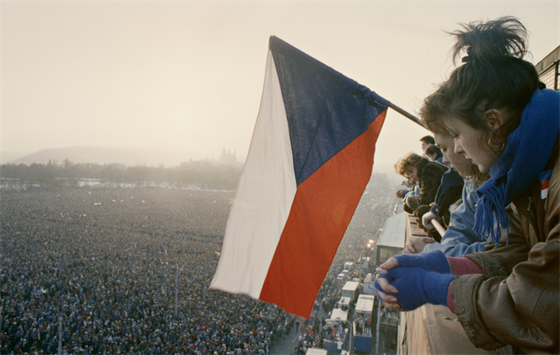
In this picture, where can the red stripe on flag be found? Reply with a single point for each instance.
(322, 209)
(545, 184)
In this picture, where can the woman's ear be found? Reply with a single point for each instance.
(495, 119)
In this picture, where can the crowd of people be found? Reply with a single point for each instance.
(106, 262)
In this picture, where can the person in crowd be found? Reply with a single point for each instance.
(459, 238)
(412, 186)
(448, 194)
(449, 191)
(426, 142)
(434, 154)
(504, 121)
(428, 175)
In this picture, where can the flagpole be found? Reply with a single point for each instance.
(407, 115)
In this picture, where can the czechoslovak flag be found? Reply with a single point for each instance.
(310, 159)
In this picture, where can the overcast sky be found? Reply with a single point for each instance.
(188, 76)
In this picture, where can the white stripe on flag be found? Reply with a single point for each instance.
(264, 198)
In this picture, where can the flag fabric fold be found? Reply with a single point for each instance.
(310, 159)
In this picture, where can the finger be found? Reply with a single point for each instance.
(409, 249)
(390, 300)
(394, 306)
(389, 264)
(405, 250)
(386, 286)
(428, 240)
(381, 271)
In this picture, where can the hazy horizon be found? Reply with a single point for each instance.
(188, 76)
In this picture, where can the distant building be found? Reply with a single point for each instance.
(548, 69)
(227, 157)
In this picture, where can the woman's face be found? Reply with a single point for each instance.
(472, 143)
(457, 161)
(412, 173)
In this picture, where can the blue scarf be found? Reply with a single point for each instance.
(527, 153)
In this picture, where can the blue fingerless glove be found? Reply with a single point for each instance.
(433, 261)
(417, 286)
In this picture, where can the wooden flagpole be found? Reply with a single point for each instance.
(407, 115)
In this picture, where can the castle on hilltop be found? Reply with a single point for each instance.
(228, 157)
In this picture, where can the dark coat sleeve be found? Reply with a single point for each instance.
(430, 179)
(449, 191)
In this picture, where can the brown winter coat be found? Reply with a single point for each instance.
(516, 300)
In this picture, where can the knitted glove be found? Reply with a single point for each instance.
(417, 286)
(427, 218)
(433, 261)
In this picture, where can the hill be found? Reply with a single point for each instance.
(99, 155)
(7, 157)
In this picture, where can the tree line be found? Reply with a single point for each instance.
(204, 174)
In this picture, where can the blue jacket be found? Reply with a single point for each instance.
(414, 192)
(459, 239)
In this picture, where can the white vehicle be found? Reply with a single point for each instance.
(316, 351)
(363, 263)
(367, 287)
(364, 305)
(338, 314)
(343, 303)
(351, 289)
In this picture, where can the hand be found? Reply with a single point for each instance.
(427, 218)
(400, 193)
(417, 244)
(409, 249)
(407, 288)
(435, 261)
(386, 293)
